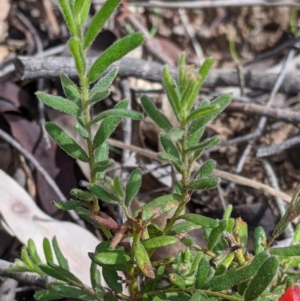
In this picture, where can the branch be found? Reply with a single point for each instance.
(212, 3)
(49, 67)
(26, 278)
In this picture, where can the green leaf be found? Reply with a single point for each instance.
(159, 118)
(78, 55)
(96, 280)
(57, 272)
(62, 261)
(202, 112)
(286, 251)
(81, 130)
(108, 125)
(114, 53)
(98, 97)
(112, 257)
(199, 220)
(227, 212)
(112, 278)
(59, 103)
(169, 147)
(164, 157)
(47, 250)
(206, 169)
(175, 134)
(102, 194)
(199, 295)
(143, 260)
(159, 242)
(47, 295)
(101, 154)
(133, 186)
(208, 142)
(202, 272)
(183, 227)
(235, 276)
(62, 291)
(204, 184)
(241, 231)
(29, 262)
(177, 280)
(81, 10)
(118, 187)
(260, 239)
(82, 194)
(159, 206)
(68, 16)
(222, 102)
(160, 296)
(104, 82)
(172, 91)
(99, 20)
(204, 69)
(110, 297)
(216, 233)
(33, 252)
(194, 138)
(70, 89)
(69, 205)
(120, 113)
(103, 165)
(262, 279)
(66, 142)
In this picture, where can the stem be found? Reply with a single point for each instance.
(185, 179)
(87, 122)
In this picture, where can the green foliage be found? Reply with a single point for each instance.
(221, 269)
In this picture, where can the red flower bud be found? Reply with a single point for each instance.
(291, 294)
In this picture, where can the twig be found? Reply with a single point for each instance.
(26, 278)
(151, 45)
(212, 3)
(265, 151)
(260, 110)
(218, 173)
(289, 231)
(263, 120)
(41, 170)
(191, 32)
(33, 68)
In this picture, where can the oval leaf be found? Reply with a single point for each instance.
(119, 113)
(262, 279)
(160, 119)
(59, 103)
(114, 53)
(143, 260)
(204, 184)
(66, 142)
(200, 220)
(159, 206)
(110, 258)
(99, 20)
(158, 242)
(102, 194)
(133, 186)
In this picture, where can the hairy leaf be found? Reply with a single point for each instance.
(59, 103)
(133, 186)
(114, 53)
(159, 118)
(99, 20)
(66, 142)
